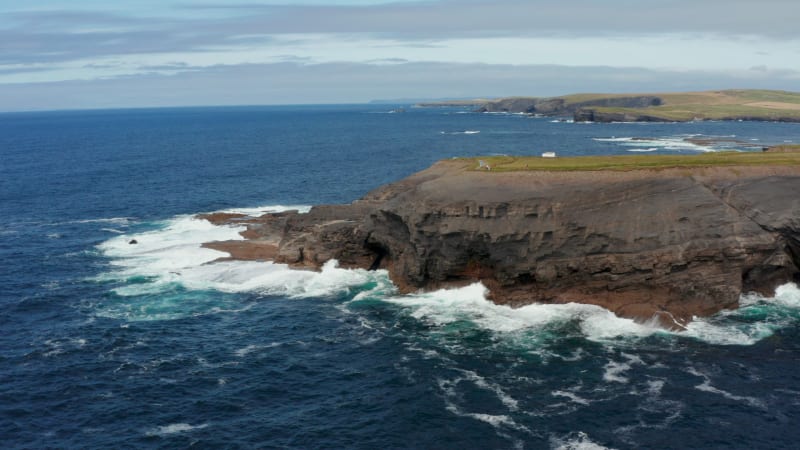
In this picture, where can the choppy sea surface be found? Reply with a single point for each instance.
(107, 344)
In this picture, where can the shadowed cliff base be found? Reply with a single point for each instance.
(643, 239)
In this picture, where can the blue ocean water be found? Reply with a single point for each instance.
(105, 344)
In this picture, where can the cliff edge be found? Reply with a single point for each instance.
(672, 242)
(731, 104)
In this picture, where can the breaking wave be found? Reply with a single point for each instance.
(460, 132)
(167, 274)
(174, 428)
(679, 143)
(758, 318)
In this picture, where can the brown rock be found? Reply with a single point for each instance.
(668, 244)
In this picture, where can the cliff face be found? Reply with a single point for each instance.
(736, 104)
(597, 114)
(560, 106)
(671, 243)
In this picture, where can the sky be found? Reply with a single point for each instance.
(75, 54)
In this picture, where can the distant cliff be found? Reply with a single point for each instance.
(670, 243)
(562, 106)
(735, 104)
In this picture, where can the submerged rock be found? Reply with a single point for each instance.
(670, 243)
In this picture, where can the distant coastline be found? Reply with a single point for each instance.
(735, 104)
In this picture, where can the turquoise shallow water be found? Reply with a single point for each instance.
(105, 344)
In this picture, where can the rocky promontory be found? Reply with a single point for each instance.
(731, 104)
(671, 242)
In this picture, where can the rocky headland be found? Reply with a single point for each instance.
(670, 243)
(734, 104)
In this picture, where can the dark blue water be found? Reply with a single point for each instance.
(104, 344)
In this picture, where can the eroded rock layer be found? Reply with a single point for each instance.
(672, 243)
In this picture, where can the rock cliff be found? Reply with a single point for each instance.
(732, 104)
(565, 106)
(671, 243)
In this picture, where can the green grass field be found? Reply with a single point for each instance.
(711, 105)
(731, 104)
(634, 162)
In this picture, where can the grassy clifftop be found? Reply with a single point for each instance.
(636, 162)
(713, 105)
(734, 104)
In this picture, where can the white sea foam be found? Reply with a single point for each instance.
(575, 398)
(460, 132)
(470, 304)
(261, 210)
(57, 347)
(643, 150)
(242, 352)
(575, 441)
(172, 256)
(170, 249)
(121, 221)
(174, 428)
(706, 386)
(675, 143)
(787, 295)
(614, 370)
(719, 331)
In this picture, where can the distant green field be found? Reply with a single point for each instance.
(717, 105)
(731, 104)
(634, 162)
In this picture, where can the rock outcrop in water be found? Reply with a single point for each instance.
(671, 243)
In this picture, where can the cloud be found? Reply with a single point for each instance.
(291, 83)
(539, 17)
(223, 53)
(65, 35)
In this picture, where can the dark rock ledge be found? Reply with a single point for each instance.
(671, 243)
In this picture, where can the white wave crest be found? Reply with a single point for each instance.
(175, 247)
(575, 441)
(460, 132)
(114, 220)
(706, 386)
(643, 150)
(470, 304)
(174, 428)
(261, 210)
(575, 398)
(674, 143)
(173, 255)
(719, 330)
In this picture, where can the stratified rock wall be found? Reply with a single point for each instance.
(674, 242)
(558, 106)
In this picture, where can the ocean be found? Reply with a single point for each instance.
(110, 345)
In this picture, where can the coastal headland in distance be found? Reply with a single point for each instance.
(732, 104)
